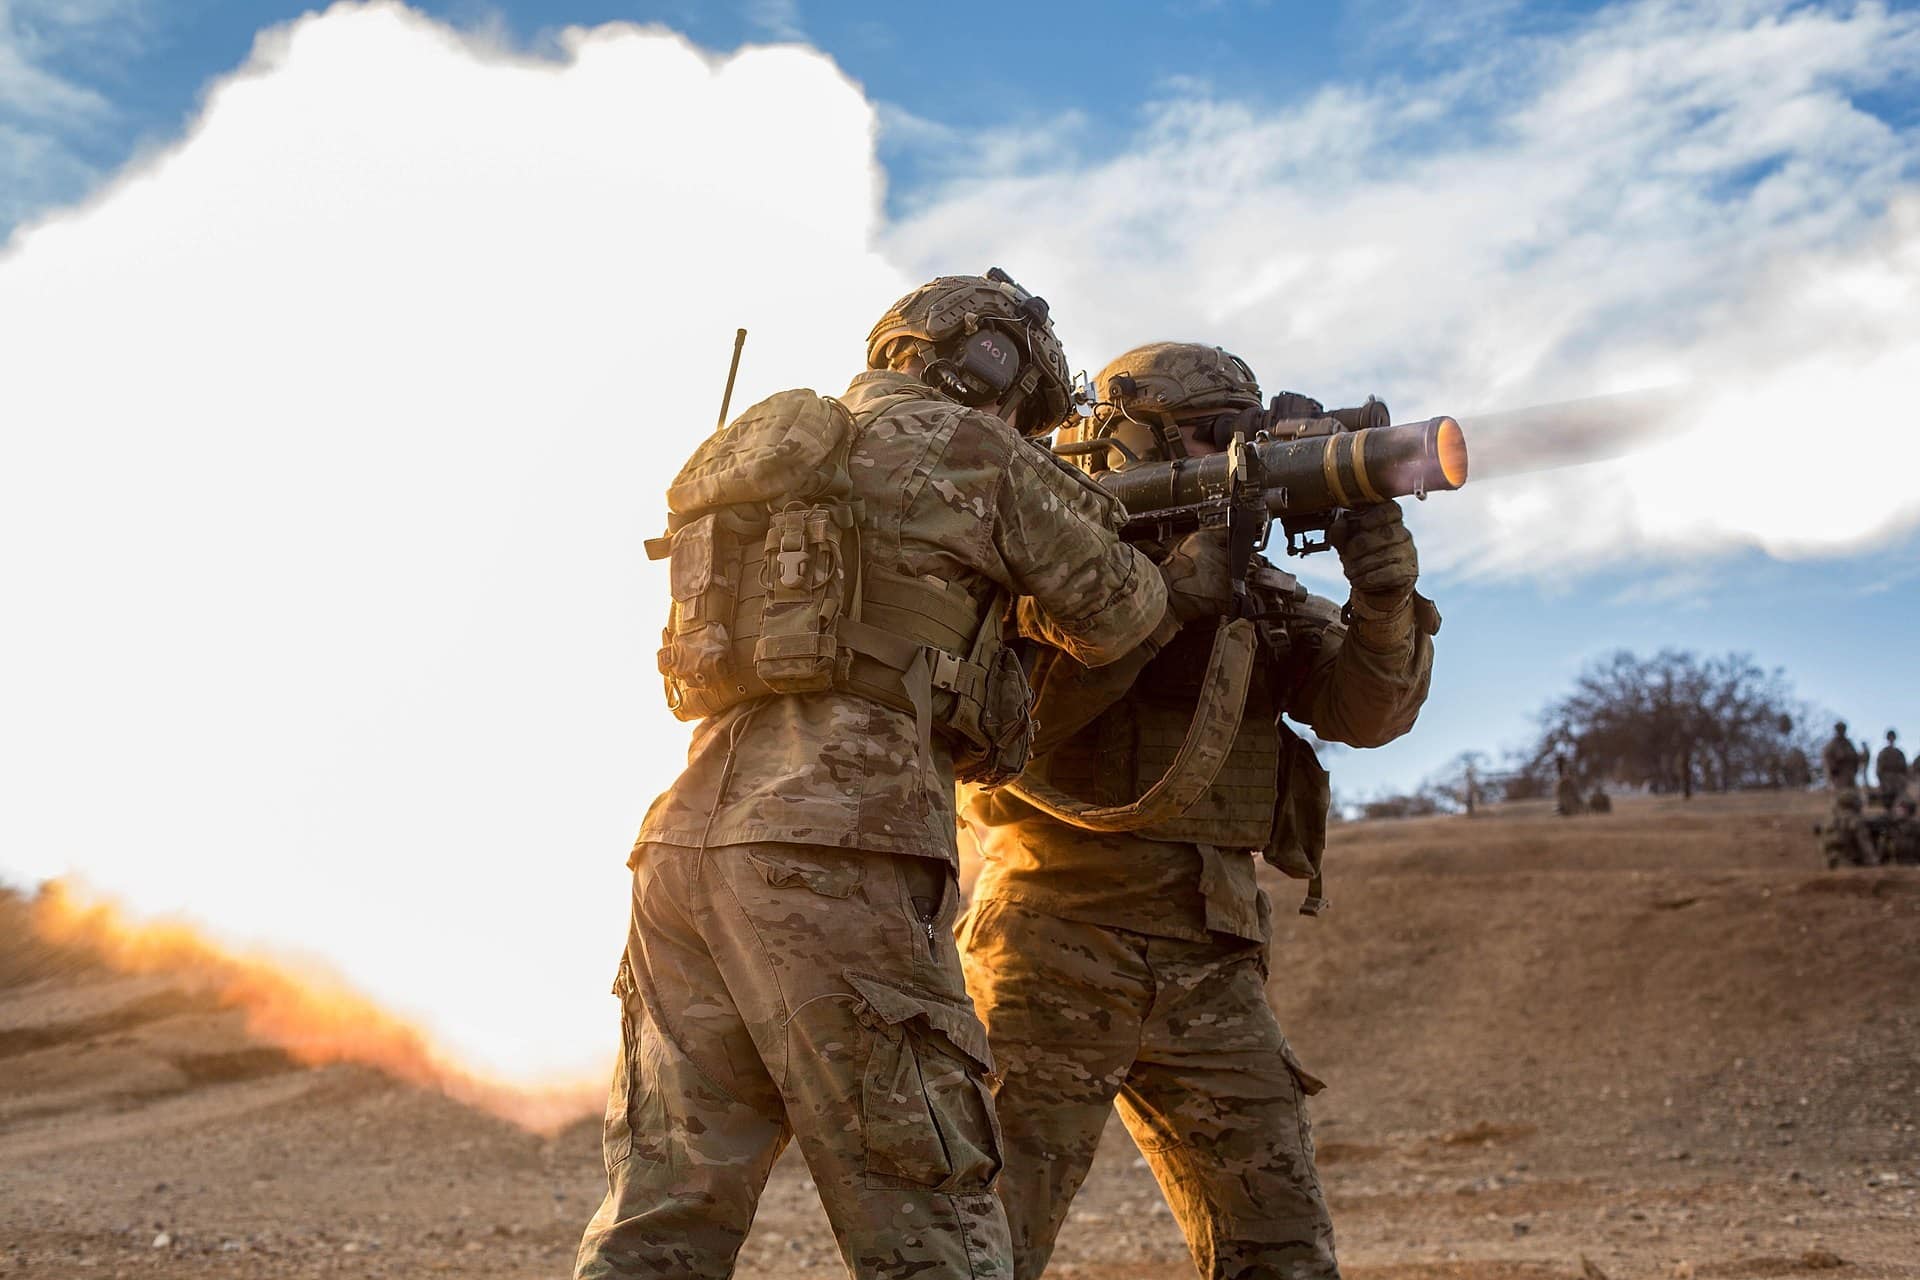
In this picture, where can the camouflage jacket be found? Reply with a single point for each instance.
(1324, 677)
(949, 493)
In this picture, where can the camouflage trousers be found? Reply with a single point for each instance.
(1181, 1036)
(771, 992)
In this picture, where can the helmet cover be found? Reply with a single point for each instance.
(952, 308)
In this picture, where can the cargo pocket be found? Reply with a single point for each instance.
(617, 1135)
(829, 875)
(1310, 1084)
(927, 1101)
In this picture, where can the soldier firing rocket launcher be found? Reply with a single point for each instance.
(1292, 461)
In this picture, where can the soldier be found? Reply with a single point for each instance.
(1848, 838)
(790, 970)
(1132, 964)
(1903, 835)
(1890, 769)
(1840, 760)
(1567, 800)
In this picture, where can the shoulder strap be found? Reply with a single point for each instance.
(1209, 740)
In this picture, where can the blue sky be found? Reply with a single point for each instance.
(1010, 91)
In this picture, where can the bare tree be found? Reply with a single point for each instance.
(1674, 722)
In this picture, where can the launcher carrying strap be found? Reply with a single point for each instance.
(1209, 740)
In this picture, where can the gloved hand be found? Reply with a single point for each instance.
(1377, 555)
(1199, 576)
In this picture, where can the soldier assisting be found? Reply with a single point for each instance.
(1567, 800)
(839, 570)
(1840, 760)
(1847, 836)
(1132, 964)
(1890, 771)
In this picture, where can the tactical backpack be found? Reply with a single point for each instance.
(772, 595)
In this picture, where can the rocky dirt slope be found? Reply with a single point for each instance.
(1661, 1043)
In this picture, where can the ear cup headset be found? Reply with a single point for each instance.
(977, 369)
(991, 364)
(989, 342)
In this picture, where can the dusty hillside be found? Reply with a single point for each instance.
(1662, 1040)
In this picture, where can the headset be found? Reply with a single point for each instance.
(994, 363)
(980, 370)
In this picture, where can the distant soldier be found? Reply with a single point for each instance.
(1891, 767)
(1600, 801)
(1848, 841)
(1567, 801)
(1903, 835)
(1840, 760)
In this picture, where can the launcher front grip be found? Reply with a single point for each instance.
(1302, 477)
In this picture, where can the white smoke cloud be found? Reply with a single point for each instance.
(331, 436)
(331, 433)
(1672, 193)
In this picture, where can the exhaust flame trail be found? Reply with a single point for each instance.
(1571, 433)
(314, 1018)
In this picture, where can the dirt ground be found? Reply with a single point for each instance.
(1658, 1043)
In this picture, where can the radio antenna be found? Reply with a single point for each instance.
(739, 341)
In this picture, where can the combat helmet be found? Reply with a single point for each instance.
(967, 320)
(1144, 394)
(1180, 379)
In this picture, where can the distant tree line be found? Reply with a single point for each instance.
(1672, 723)
(1677, 723)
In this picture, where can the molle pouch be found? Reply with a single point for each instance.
(1300, 813)
(1003, 724)
(992, 713)
(805, 576)
(703, 568)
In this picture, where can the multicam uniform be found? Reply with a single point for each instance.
(1847, 837)
(790, 970)
(1903, 836)
(1132, 967)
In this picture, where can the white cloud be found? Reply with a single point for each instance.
(331, 436)
(1672, 193)
(44, 112)
(776, 19)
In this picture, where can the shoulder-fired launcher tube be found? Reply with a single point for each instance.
(1306, 475)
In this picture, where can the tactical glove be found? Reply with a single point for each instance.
(1199, 576)
(1377, 555)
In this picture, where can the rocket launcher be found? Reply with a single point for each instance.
(1301, 480)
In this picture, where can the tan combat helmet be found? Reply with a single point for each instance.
(1144, 393)
(1180, 379)
(966, 321)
